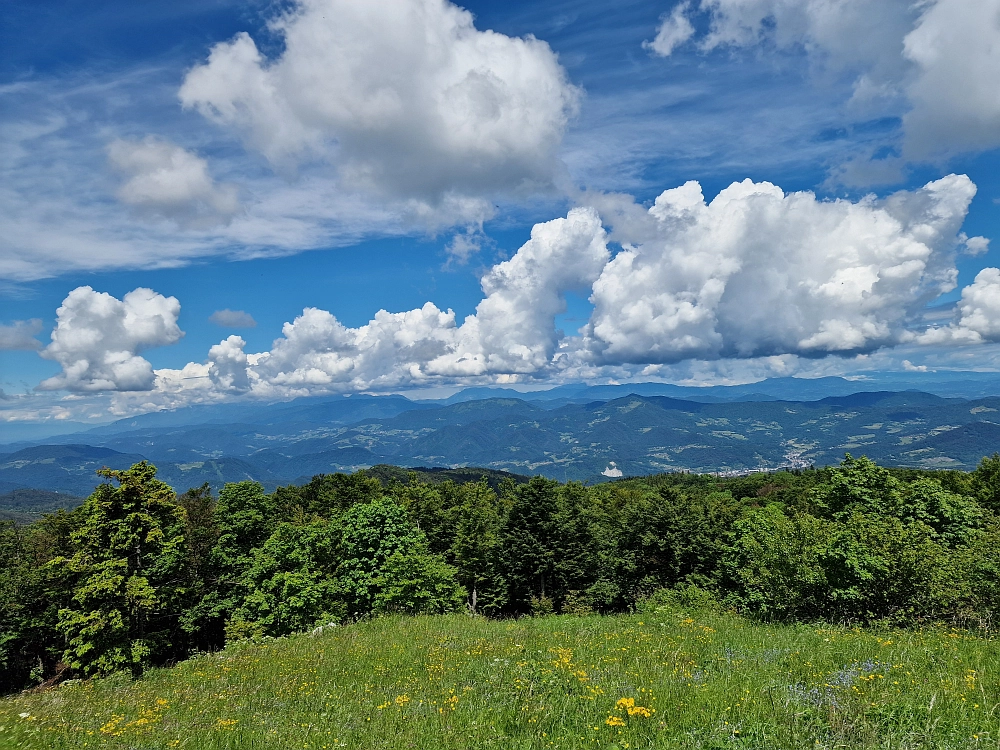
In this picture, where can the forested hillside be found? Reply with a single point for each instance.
(139, 575)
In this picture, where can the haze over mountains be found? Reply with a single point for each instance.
(587, 433)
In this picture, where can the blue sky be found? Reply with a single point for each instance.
(350, 158)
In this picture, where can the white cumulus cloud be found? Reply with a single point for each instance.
(754, 281)
(515, 322)
(228, 365)
(512, 332)
(318, 353)
(955, 48)
(406, 97)
(97, 339)
(978, 314)
(166, 181)
(860, 37)
(757, 272)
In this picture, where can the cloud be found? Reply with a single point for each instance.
(97, 339)
(755, 274)
(754, 282)
(978, 314)
(758, 272)
(406, 98)
(934, 63)
(228, 365)
(674, 30)
(58, 193)
(318, 353)
(512, 332)
(232, 319)
(21, 335)
(973, 245)
(861, 38)
(164, 180)
(955, 49)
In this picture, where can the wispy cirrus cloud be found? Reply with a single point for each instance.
(931, 64)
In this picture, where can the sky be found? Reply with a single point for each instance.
(213, 201)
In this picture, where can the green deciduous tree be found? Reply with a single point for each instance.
(774, 567)
(243, 518)
(986, 483)
(417, 582)
(289, 582)
(952, 518)
(329, 495)
(859, 485)
(371, 533)
(881, 567)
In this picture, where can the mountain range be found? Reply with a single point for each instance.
(569, 433)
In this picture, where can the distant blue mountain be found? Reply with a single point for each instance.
(956, 384)
(331, 411)
(588, 435)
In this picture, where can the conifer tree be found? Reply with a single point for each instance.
(127, 568)
(476, 548)
(529, 541)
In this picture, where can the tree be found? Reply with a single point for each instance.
(575, 551)
(371, 533)
(38, 591)
(201, 533)
(881, 567)
(986, 483)
(529, 541)
(476, 546)
(951, 517)
(417, 582)
(432, 509)
(774, 567)
(14, 574)
(244, 517)
(127, 570)
(859, 485)
(200, 529)
(329, 495)
(289, 582)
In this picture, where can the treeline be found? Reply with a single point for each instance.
(139, 575)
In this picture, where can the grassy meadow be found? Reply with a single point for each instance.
(670, 679)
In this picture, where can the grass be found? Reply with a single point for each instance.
(667, 680)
